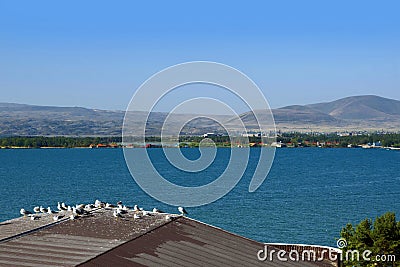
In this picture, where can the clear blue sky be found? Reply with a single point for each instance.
(96, 53)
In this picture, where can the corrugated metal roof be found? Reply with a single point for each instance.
(186, 242)
(102, 240)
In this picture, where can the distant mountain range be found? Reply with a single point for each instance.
(367, 112)
(20, 119)
(360, 108)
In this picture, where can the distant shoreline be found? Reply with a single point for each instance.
(381, 140)
(313, 147)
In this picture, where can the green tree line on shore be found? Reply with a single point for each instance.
(55, 141)
(301, 139)
(296, 139)
(387, 140)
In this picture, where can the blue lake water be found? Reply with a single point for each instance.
(307, 197)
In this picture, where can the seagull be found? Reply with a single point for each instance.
(80, 206)
(64, 206)
(146, 213)
(155, 210)
(89, 207)
(60, 207)
(49, 211)
(137, 216)
(43, 210)
(99, 204)
(57, 217)
(182, 211)
(74, 211)
(34, 218)
(121, 211)
(24, 212)
(119, 202)
(79, 211)
(124, 207)
(167, 217)
(136, 208)
(69, 208)
(36, 209)
(109, 206)
(116, 214)
(73, 217)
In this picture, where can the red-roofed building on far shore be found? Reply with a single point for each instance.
(112, 145)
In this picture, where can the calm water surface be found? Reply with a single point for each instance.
(308, 196)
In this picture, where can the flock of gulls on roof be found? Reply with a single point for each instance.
(75, 212)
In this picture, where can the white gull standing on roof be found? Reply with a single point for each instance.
(49, 211)
(146, 213)
(36, 209)
(79, 211)
(57, 217)
(137, 209)
(116, 214)
(34, 217)
(89, 207)
(110, 206)
(43, 210)
(60, 207)
(80, 206)
(73, 216)
(121, 211)
(182, 210)
(97, 203)
(155, 210)
(24, 212)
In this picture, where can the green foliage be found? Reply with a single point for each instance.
(297, 139)
(194, 144)
(382, 237)
(334, 140)
(386, 234)
(55, 141)
(363, 235)
(343, 144)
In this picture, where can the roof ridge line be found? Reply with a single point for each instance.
(225, 231)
